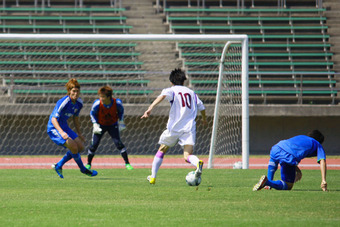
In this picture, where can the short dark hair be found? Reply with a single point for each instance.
(177, 77)
(105, 90)
(317, 135)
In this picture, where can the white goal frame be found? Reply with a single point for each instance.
(245, 105)
(228, 39)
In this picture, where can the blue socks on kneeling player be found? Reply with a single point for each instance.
(278, 185)
(272, 167)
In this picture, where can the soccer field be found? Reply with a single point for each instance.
(117, 197)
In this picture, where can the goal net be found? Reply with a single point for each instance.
(35, 68)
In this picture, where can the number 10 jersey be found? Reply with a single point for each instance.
(184, 106)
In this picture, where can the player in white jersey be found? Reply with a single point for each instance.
(181, 127)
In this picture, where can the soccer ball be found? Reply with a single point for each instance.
(192, 180)
(237, 165)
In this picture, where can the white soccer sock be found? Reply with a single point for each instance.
(193, 160)
(157, 162)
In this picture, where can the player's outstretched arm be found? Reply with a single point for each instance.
(154, 103)
(323, 168)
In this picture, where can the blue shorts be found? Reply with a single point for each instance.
(281, 156)
(58, 139)
(287, 162)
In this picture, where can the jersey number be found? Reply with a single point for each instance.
(186, 99)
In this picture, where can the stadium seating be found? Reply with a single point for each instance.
(61, 19)
(289, 54)
(46, 90)
(36, 70)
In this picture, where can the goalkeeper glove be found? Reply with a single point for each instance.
(96, 129)
(121, 125)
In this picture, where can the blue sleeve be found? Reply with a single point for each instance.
(94, 111)
(120, 109)
(320, 153)
(56, 113)
(59, 107)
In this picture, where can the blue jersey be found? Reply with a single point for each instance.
(95, 109)
(301, 147)
(63, 110)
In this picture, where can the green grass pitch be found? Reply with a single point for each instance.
(117, 197)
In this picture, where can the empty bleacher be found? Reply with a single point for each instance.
(63, 20)
(39, 69)
(35, 71)
(289, 54)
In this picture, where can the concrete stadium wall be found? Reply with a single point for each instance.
(266, 131)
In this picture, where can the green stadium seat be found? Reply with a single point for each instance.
(80, 63)
(243, 10)
(49, 82)
(61, 9)
(64, 28)
(239, 29)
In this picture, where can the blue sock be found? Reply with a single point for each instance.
(272, 167)
(278, 185)
(66, 158)
(79, 162)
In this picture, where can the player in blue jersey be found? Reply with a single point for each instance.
(57, 128)
(107, 115)
(288, 153)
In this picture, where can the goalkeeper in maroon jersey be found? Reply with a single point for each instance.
(107, 115)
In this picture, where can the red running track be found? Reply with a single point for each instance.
(117, 162)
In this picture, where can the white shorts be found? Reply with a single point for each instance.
(170, 139)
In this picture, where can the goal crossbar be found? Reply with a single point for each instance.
(125, 37)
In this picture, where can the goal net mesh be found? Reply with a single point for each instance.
(33, 74)
(227, 145)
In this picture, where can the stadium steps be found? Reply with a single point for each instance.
(145, 20)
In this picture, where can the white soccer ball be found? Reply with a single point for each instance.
(237, 165)
(192, 180)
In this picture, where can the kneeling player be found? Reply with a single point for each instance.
(289, 153)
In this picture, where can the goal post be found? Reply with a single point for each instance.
(34, 68)
(244, 105)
